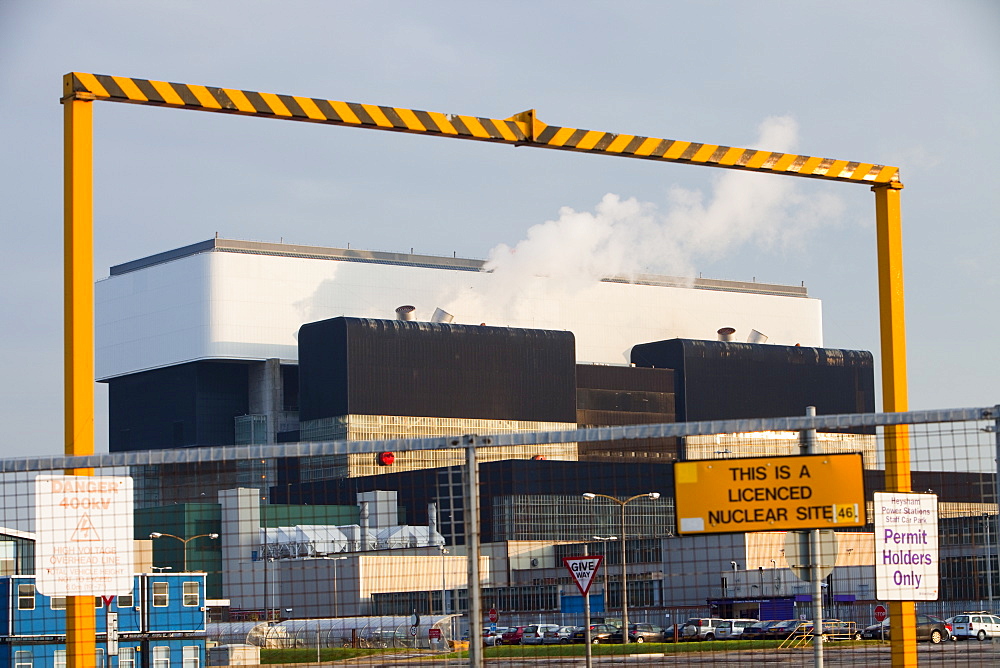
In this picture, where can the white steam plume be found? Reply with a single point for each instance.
(627, 237)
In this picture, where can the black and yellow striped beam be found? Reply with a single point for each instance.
(519, 130)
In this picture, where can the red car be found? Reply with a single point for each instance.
(513, 636)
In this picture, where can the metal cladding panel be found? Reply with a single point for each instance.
(617, 395)
(362, 366)
(183, 405)
(217, 304)
(719, 380)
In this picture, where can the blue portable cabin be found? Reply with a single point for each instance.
(164, 616)
(159, 603)
(183, 652)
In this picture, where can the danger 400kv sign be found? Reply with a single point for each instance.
(83, 532)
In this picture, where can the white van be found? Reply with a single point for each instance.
(730, 629)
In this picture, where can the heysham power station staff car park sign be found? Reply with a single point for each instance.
(769, 493)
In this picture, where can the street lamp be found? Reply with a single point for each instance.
(590, 496)
(185, 541)
(604, 550)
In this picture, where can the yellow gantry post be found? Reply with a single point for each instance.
(889, 235)
(78, 334)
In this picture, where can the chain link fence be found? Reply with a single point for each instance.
(323, 551)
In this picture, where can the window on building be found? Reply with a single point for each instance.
(98, 602)
(99, 658)
(161, 657)
(57, 602)
(192, 656)
(125, 601)
(160, 596)
(126, 657)
(59, 658)
(191, 595)
(25, 597)
(22, 659)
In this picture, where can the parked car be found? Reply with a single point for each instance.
(731, 629)
(930, 628)
(560, 636)
(639, 633)
(782, 629)
(599, 633)
(758, 630)
(491, 639)
(979, 625)
(833, 629)
(513, 635)
(700, 628)
(535, 633)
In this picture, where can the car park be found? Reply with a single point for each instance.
(929, 628)
(599, 633)
(639, 633)
(700, 628)
(979, 625)
(534, 634)
(513, 635)
(731, 629)
(560, 636)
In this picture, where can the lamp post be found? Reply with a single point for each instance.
(336, 589)
(185, 541)
(444, 581)
(604, 553)
(989, 561)
(590, 496)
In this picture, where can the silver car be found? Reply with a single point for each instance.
(561, 636)
(535, 633)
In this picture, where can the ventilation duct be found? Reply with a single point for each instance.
(725, 334)
(440, 315)
(756, 337)
(406, 313)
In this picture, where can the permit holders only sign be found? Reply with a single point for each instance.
(84, 541)
(769, 493)
(583, 570)
(906, 546)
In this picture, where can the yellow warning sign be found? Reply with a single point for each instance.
(769, 494)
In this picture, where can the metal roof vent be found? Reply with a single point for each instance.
(440, 315)
(406, 312)
(756, 337)
(726, 333)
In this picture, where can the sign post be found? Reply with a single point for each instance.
(583, 569)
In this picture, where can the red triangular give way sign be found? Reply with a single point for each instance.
(583, 570)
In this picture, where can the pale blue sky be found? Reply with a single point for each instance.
(914, 84)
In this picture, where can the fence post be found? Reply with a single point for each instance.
(808, 445)
(472, 547)
(996, 490)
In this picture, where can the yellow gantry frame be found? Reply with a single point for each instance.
(523, 129)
